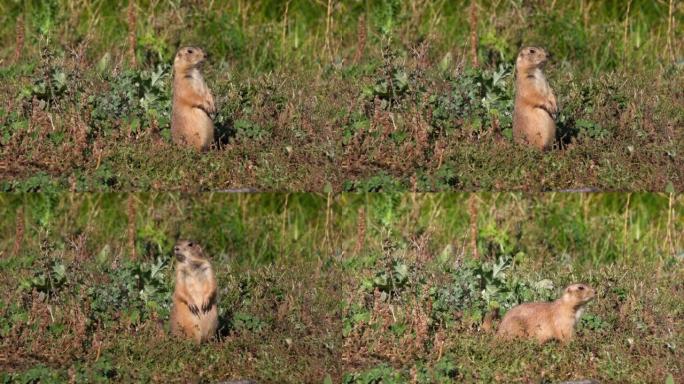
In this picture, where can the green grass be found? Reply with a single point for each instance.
(350, 286)
(298, 112)
(427, 329)
(100, 300)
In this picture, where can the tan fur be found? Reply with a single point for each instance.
(193, 103)
(535, 103)
(194, 313)
(547, 321)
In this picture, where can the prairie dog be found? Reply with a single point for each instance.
(193, 103)
(535, 103)
(547, 321)
(194, 313)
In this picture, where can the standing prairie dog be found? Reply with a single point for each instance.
(193, 103)
(535, 103)
(194, 313)
(547, 321)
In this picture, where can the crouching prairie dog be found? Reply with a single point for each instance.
(535, 103)
(194, 314)
(193, 103)
(547, 321)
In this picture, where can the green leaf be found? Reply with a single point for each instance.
(544, 284)
(135, 124)
(402, 271)
(670, 188)
(134, 316)
(61, 79)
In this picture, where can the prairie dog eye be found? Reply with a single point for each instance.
(531, 51)
(581, 287)
(190, 51)
(191, 244)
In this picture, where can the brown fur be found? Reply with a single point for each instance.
(194, 313)
(193, 103)
(547, 321)
(535, 103)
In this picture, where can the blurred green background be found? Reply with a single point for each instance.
(276, 227)
(265, 34)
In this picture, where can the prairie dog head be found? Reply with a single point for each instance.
(531, 57)
(188, 58)
(189, 252)
(578, 295)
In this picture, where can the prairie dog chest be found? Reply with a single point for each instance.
(194, 78)
(538, 81)
(578, 314)
(195, 279)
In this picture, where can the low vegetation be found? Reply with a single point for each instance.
(353, 288)
(340, 95)
(424, 287)
(84, 302)
(420, 321)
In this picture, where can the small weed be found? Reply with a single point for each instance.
(38, 374)
(378, 183)
(244, 322)
(380, 374)
(246, 130)
(594, 323)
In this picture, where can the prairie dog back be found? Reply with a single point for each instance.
(194, 314)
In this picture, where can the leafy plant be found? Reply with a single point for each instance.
(381, 182)
(50, 82)
(593, 322)
(49, 280)
(246, 322)
(247, 130)
(135, 100)
(136, 288)
(478, 98)
(358, 123)
(382, 374)
(12, 313)
(391, 279)
(478, 287)
(590, 129)
(37, 374)
(393, 82)
(443, 371)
